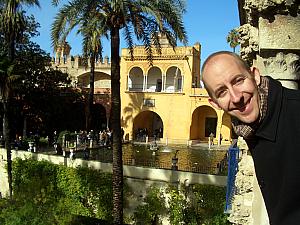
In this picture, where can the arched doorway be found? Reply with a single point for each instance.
(204, 122)
(98, 117)
(147, 123)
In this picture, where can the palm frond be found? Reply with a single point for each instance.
(63, 23)
(128, 38)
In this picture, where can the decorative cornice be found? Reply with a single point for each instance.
(162, 57)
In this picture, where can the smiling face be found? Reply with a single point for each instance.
(232, 87)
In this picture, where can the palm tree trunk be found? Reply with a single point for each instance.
(6, 131)
(6, 105)
(91, 93)
(116, 128)
(11, 38)
(11, 49)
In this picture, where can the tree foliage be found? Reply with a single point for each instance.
(44, 93)
(12, 26)
(233, 38)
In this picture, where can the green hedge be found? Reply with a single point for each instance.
(45, 193)
(194, 205)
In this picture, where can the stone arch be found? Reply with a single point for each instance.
(102, 81)
(135, 79)
(154, 79)
(173, 80)
(204, 122)
(150, 121)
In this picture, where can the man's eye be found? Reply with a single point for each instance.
(221, 93)
(239, 80)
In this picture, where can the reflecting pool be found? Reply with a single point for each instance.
(178, 157)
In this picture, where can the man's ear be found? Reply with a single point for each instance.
(213, 103)
(256, 74)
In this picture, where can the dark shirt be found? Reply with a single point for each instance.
(276, 154)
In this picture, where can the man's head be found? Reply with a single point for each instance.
(232, 85)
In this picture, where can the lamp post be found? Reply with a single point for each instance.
(174, 160)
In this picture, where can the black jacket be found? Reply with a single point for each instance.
(276, 155)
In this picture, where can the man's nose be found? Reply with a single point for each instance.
(235, 96)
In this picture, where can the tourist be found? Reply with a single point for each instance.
(122, 134)
(211, 137)
(267, 115)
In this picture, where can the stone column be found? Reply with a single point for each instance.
(145, 82)
(128, 78)
(163, 88)
(182, 83)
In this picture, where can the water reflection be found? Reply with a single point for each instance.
(200, 159)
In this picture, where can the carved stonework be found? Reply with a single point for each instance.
(269, 26)
(267, 8)
(242, 203)
(248, 41)
(285, 68)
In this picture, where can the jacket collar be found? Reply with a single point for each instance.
(269, 125)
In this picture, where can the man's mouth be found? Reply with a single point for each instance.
(245, 108)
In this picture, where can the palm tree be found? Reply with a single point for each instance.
(12, 22)
(6, 82)
(12, 26)
(92, 49)
(88, 26)
(233, 38)
(146, 20)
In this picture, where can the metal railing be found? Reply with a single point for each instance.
(233, 159)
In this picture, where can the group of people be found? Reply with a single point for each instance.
(143, 133)
(103, 138)
(266, 115)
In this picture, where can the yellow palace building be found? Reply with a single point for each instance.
(166, 98)
(163, 100)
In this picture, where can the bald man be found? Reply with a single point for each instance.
(267, 115)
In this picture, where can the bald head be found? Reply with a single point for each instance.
(219, 61)
(232, 86)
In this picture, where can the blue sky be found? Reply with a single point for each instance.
(206, 21)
